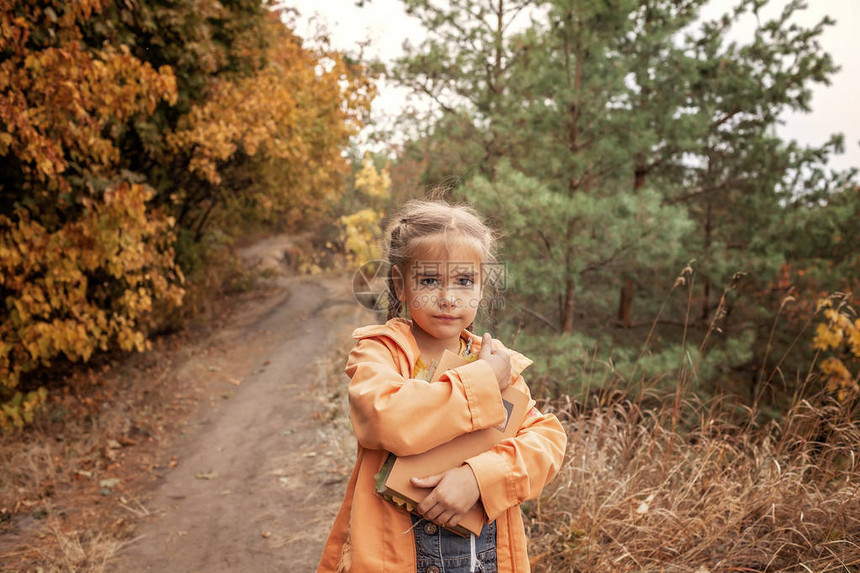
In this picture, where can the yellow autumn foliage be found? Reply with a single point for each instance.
(82, 257)
(57, 101)
(370, 182)
(22, 408)
(360, 232)
(86, 286)
(293, 116)
(839, 335)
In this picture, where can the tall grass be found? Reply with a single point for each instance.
(636, 495)
(669, 481)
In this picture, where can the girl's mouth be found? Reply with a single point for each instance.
(445, 317)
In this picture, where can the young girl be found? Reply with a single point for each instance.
(437, 254)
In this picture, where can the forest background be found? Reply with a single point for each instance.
(662, 243)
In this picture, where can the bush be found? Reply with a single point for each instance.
(87, 286)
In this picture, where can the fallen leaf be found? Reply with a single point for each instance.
(106, 485)
(207, 475)
(643, 507)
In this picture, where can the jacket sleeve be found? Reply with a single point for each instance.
(408, 416)
(517, 469)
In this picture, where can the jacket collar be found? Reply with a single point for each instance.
(399, 330)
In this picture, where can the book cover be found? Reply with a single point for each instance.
(393, 480)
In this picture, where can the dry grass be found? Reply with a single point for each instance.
(78, 550)
(634, 494)
(332, 406)
(57, 515)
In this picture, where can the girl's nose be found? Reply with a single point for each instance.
(446, 297)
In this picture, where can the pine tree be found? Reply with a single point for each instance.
(620, 139)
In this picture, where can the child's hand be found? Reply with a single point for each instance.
(454, 493)
(499, 359)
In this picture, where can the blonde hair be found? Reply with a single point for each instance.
(435, 224)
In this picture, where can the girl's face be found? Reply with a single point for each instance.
(443, 292)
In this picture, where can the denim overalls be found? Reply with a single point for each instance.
(438, 550)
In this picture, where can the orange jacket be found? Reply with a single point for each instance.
(392, 412)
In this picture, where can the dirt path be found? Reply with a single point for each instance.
(259, 472)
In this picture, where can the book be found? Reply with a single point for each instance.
(393, 480)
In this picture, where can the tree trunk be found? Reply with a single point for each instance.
(707, 291)
(625, 304)
(639, 175)
(625, 295)
(573, 182)
(494, 91)
(569, 292)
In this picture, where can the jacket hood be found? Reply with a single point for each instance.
(399, 330)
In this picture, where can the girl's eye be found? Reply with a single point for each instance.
(428, 281)
(465, 281)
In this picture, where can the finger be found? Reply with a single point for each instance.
(427, 481)
(426, 505)
(445, 517)
(434, 512)
(486, 345)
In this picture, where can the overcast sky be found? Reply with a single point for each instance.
(834, 108)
